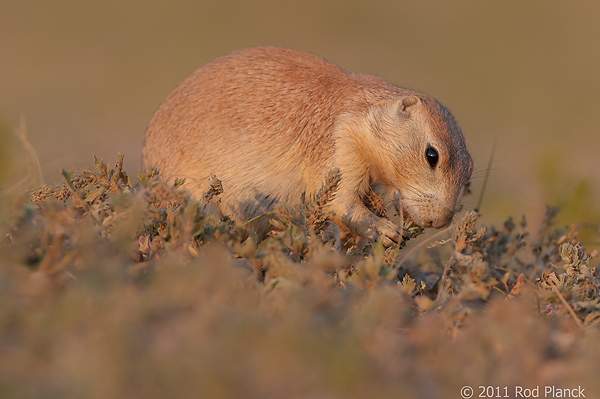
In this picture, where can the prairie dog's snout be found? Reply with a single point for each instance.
(271, 122)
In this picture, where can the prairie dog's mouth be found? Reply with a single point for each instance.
(413, 216)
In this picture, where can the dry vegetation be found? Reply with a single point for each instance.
(117, 290)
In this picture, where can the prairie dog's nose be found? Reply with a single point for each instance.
(443, 220)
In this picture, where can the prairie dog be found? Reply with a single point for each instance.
(271, 122)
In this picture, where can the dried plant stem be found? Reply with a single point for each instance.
(21, 133)
(485, 179)
(254, 218)
(427, 241)
(569, 308)
(442, 279)
(595, 322)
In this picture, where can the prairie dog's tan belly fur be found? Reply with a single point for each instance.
(271, 122)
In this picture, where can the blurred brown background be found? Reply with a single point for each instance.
(87, 77)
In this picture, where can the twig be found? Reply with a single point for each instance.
(569, 308)
(447, 266)
(485, 179)
(254, 218)
(21, 133)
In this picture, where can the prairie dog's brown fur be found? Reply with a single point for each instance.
(271, 122)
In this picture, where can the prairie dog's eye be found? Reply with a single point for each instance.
(432, 156)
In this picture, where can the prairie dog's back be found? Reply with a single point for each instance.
(242, 94)
(258, 96)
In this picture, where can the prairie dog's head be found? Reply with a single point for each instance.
(424, 159)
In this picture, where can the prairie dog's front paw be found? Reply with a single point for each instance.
(392, 235)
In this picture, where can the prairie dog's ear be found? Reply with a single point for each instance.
(408, 104)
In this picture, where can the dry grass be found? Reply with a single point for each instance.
(114, 289)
